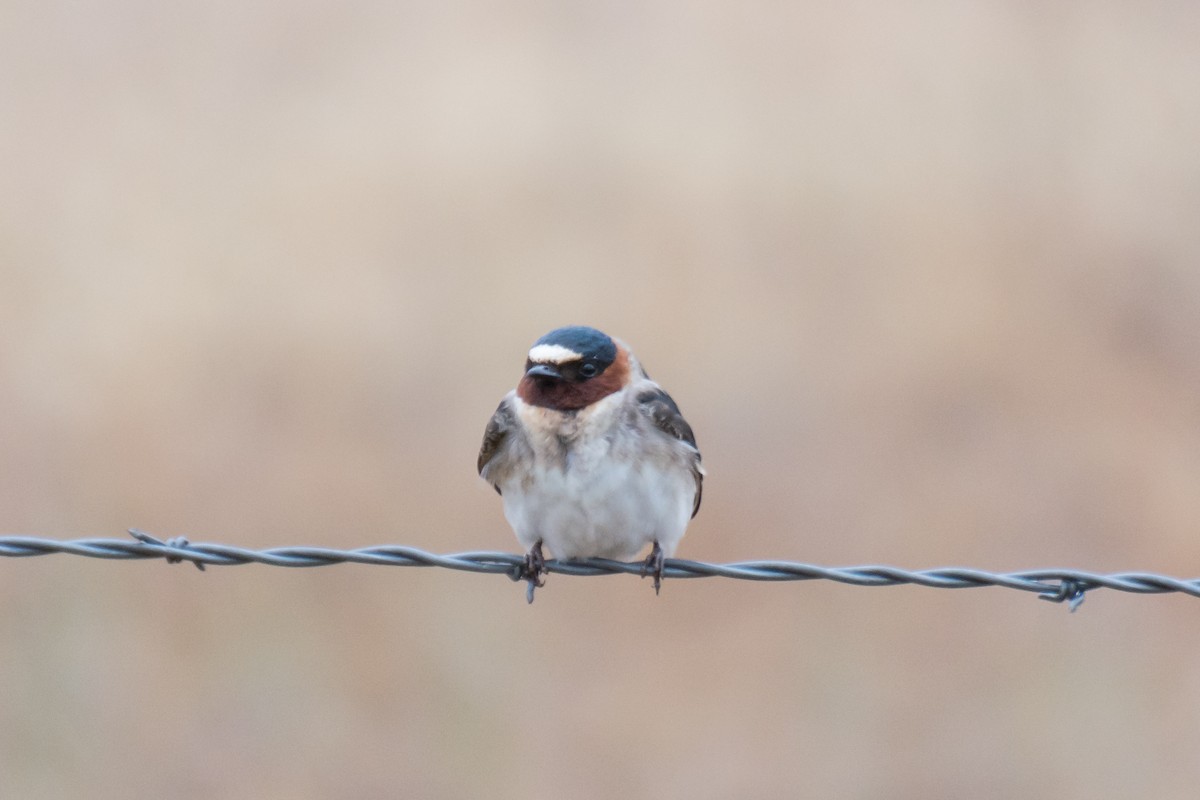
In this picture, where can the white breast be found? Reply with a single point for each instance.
(596, 494)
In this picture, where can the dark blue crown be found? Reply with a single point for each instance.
(590, 343)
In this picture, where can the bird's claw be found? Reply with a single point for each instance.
(533, 570)
(654, 567)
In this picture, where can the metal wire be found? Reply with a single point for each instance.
(1057, 585)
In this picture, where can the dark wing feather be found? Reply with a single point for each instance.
(493, 438)
(665, 415)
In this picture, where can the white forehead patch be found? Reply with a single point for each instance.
(552, 354)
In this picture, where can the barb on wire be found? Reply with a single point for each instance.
(1069, 591)
(1057, 585)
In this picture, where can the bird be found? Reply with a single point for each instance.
(591, 458)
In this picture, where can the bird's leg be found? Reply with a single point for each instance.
(654, 567)
(535, 568)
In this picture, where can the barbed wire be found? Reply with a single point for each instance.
(1056, 585)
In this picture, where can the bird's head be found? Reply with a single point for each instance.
(571, 368)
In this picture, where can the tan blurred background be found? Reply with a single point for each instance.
(924, 277)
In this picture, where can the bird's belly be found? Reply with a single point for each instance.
(610, 511)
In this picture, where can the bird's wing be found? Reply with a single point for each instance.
(495, 436)
(664, 413)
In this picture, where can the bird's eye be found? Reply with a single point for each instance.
(588, 370)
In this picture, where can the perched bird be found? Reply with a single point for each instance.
(591, 457)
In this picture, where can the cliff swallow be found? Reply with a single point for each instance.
(591, 457)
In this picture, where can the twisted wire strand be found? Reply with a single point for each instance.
(1058, 585)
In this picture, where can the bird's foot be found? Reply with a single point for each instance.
(654, 567)
(534, 569)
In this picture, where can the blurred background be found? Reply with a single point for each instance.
(925, 278)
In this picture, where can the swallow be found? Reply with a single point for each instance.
(591, 458)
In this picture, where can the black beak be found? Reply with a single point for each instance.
(544, 372)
